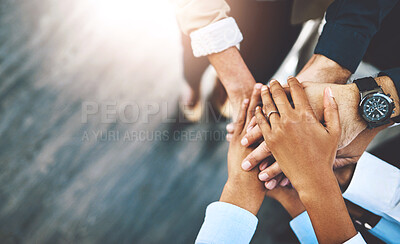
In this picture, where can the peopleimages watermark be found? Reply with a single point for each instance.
(151, 136)
(130, 112)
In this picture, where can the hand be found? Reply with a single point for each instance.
(305, 150)
(289, 199)
(296, 135)
(234, 76)
(352, 124)
(243, 189)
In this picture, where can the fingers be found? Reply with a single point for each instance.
(269, 105)
(297, 92)
(254, 135)
(331, 113)
(279, 97)
(252, 124)
(230, 128)
(285, 182)
(256, 156)
(254, 101)
(270, 185)
(270, 172)
(262, 122)
(241, 119)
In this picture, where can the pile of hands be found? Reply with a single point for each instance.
(294, 142)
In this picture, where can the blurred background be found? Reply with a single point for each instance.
(67, 175)
(93, 148)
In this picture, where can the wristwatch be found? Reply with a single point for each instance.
(375, 107)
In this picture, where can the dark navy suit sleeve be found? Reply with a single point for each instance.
(350, 26)
(394, 74)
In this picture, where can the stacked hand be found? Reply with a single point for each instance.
(243, 189)
(351, 126)
(305, 150)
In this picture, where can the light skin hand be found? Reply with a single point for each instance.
(234, 75)
(308, 165)
(242, 188)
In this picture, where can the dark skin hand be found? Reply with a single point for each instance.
(305, 150)
(243, 189)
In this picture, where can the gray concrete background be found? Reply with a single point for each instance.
(59, 182)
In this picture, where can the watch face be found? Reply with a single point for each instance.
(376, 108)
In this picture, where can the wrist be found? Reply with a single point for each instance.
(324, 70)
(233, 74)
(388, 87)
(243, 193)
(320, 183)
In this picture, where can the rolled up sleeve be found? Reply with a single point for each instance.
(207, 22)
(195, 14)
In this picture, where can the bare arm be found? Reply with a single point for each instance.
(234, 75)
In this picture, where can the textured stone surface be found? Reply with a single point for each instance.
(59, 183)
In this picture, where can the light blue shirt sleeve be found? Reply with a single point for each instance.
(227, 223)
(387, 230)
(375, 186)
(302, 228)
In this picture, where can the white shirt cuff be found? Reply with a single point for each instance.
(227, 223)
(216, 37)
(375, 186)
(357, 239)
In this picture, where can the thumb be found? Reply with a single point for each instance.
(331, 113)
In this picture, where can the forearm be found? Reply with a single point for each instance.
(322, 69)
(327, 210)
(233, 73)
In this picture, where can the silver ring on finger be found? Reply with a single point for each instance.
(270, 113)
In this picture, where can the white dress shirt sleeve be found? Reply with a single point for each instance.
(375, 186)
(216, 37)
(208, 23)
(226, 223)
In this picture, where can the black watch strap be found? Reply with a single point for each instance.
(366, 84)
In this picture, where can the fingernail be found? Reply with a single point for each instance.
(263, 176)
(228, 137)
(230, 127)
(271, 185)
(264, 88)
(290, 77)
(284, 182)
(245, 101)
(329, 90)
(246, 165)
(244, 141)
(258, 86)
(273, 81)
(258, 108)
(263, 166)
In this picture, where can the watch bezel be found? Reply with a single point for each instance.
(381, 95)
